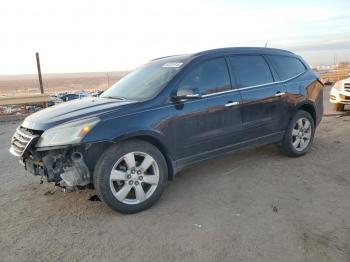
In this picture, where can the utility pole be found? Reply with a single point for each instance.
(107, 80)
(39, 73)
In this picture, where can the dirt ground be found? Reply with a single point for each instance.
(254, 205)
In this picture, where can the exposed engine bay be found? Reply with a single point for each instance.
(65, 167)
(68, 166)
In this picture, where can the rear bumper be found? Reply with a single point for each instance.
(319, 108)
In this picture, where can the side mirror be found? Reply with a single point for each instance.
(186, 94)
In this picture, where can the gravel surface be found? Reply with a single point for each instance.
(254, 205)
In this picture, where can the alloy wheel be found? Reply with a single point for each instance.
(301, 134)
(134, 178)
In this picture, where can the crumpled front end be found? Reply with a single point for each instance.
(64, 165)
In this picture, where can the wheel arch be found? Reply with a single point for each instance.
(307, 106)
(156, 141)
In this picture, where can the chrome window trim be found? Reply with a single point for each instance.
(249, 87)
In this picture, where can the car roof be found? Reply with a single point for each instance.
(226, 51)
(244, 50)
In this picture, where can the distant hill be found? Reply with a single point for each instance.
(62, 75)
(15, 85)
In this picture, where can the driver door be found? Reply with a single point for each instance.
(212, 122)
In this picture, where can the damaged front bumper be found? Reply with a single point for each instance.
(64, 165)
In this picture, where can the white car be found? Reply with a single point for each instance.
(340, 94)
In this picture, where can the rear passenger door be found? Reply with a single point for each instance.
(288, 69)
(263, 99)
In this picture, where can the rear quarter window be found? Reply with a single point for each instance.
(287, 67)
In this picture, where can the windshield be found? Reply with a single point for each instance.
(145, 82)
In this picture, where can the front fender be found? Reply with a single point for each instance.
(153, 129)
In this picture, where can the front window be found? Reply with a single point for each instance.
(207, 77)
(145, 82)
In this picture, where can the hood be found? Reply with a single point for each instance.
(72, 110)
(346, 80)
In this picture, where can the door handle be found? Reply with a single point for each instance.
(279, 93)
(229, 104)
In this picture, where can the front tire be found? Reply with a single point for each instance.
(299, 135)
(339, 107)
(130, 176)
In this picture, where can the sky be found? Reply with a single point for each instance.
(110, 35)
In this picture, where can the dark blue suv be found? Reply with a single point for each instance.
(169, 113)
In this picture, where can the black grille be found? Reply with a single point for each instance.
(347, 87)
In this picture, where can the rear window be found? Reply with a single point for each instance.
(251, 70)
(286, 67)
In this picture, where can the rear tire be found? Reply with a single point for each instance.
(339, 107)
(299, 135)
(130, 176)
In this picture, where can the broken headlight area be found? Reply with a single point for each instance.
(65, 167)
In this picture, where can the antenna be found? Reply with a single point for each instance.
(266, 44)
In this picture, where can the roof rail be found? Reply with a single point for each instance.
(228, 49)
(162, 57)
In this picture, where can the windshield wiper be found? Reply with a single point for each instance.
(115, 97)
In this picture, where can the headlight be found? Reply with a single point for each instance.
(69, 133)
(338, 86)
